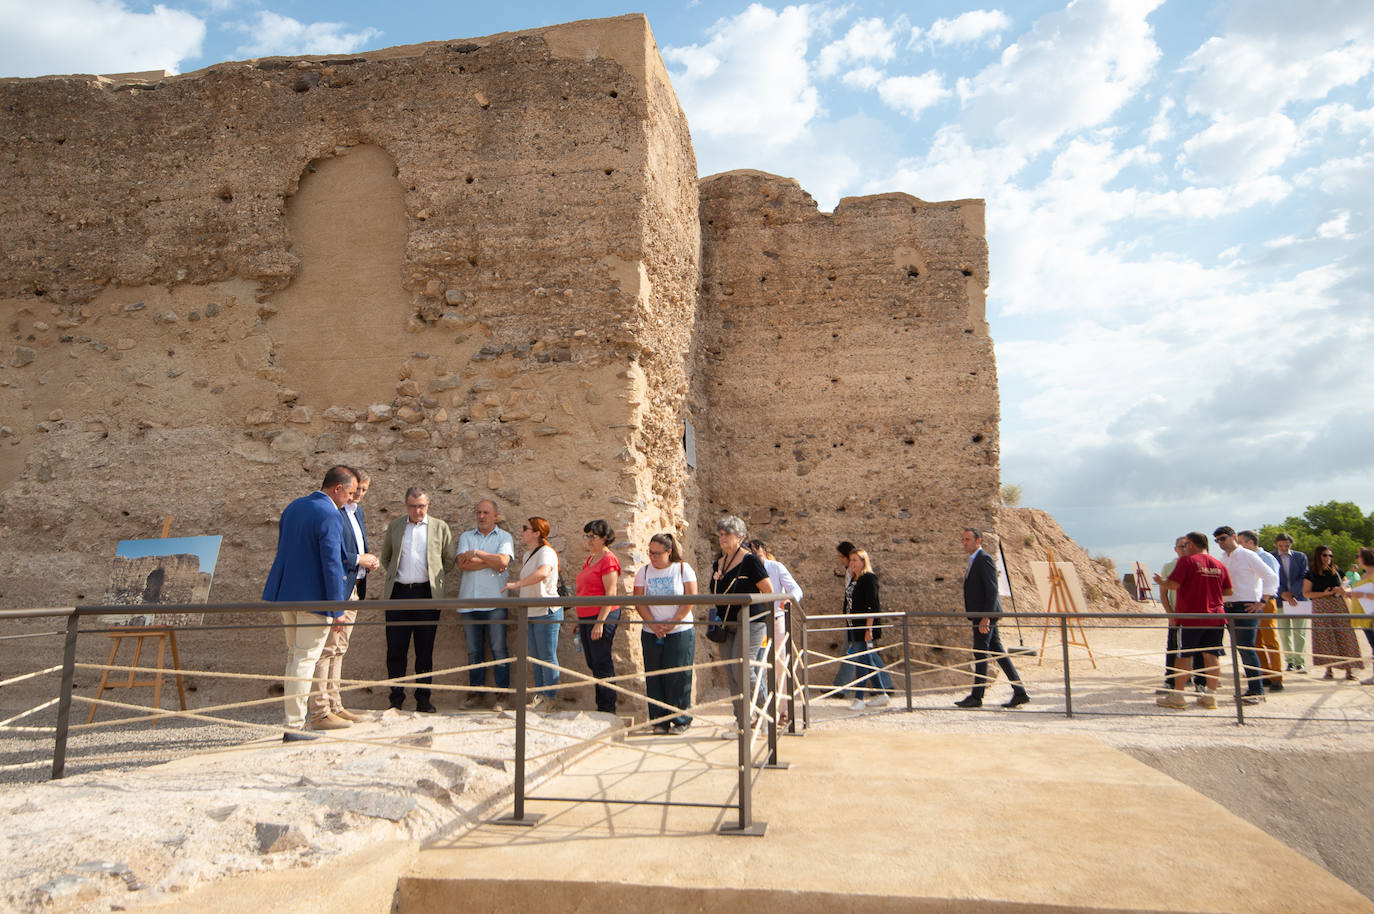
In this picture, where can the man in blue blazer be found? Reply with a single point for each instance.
(309, 565)
(326, 706)
(984, 605)
(1292, 629)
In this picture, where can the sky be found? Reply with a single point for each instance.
(206, 547)
(1178, 202)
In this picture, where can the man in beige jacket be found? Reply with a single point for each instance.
(416, 552)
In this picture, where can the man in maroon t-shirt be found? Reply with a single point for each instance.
(1202, 584)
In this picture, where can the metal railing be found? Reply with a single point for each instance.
(911, 670)
(747, 735)
(796, 656)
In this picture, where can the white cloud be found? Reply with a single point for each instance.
(913, 94)
(751, 78)
(273, 34)
(967, 28)
(1248, 75)
(1073, 70)
(1338, 226)
(863, 78)
(94, 36)
(867, 39)
(1161, 128)
(1231, 151)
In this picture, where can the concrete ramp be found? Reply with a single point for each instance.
(876, 822)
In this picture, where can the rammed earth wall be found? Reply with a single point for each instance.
(476, 266)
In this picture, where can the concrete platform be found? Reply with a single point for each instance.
(911, 822)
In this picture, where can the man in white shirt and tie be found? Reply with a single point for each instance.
(326, 706)
(416, 552)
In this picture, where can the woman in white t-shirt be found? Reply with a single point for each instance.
(539, 578)
(668, 641)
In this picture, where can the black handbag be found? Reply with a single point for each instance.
(718, 631)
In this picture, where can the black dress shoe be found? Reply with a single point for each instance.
(297, 736)
(425, 707)
(1273, 686)
(1017, 699)
(972, 701)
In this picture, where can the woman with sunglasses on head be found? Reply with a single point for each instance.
(869, 688)
(739, 571)
(599, 577)
(539, 578)
(667, 636)
(1333, 640)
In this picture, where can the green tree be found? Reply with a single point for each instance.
(1338, 524)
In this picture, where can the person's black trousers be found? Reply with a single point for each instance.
(403, 626)
(983, 646)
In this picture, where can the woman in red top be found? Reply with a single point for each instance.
(599, 577)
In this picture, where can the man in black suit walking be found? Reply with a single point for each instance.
(983, 606)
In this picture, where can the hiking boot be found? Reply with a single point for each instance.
(1207, 701)
(1172, 700)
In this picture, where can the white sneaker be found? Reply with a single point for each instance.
(857, 705)
(878, 701)
(1369, 681)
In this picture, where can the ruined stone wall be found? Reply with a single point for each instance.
(469, 265)
(847, 388)
(482, 266)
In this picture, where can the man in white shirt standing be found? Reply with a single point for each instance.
(416, 552)
(326, 706)
(1251, 578)
(1267, 639)
(484, 553)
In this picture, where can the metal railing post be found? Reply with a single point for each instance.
(773, 705)
(1068, 680)
(906, 656)
(746, 824)
(789, 665)
(1235, 671)
(805, 675)
(64, 701)
(518, 815)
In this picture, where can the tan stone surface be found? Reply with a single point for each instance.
(847, 388)
(909, 822)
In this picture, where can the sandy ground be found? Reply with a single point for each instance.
(1298, 768)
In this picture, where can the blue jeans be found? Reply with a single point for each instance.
(478, 634)
(544, 646)
(1245, 629)
(855, 673)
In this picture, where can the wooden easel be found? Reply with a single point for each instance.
(165, 637)
(1061, 601)
(1144, 589)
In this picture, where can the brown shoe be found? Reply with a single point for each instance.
(351, 716)
(329, 722)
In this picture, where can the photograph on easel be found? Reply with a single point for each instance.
(161, 571)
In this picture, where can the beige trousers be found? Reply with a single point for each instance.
(305, 635)
(329, 668)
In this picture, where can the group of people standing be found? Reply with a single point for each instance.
(322, 556)
(1268, 600)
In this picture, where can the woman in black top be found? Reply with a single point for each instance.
(1333, 640)
(868, 689)
(738, 570)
